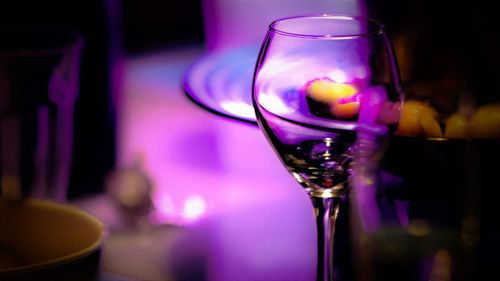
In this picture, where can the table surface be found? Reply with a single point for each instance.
(224, 206)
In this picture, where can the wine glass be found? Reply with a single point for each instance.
(319, 81)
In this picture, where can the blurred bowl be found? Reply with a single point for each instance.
(44, 240)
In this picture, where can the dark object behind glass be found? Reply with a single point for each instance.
(436, 198)
(453, 45)
(95, 116)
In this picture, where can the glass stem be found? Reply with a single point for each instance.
(326, 210)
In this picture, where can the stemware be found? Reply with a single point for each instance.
(319, 81)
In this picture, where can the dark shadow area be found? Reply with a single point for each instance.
(112, 29)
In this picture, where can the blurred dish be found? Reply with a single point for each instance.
(221, 82)
(43, 240)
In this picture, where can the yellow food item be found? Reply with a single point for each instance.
(345, 110)
(332, 93)
(418, 119)
(328, 91)
(457, 126)
(485, 122)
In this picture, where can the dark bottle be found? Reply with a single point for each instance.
(95, 109)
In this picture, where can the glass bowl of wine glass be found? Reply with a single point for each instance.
(319, 82)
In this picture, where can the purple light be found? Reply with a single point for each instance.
(163, 208)
(372, 101)
(274, 104)
(364, 201)
(238, 108)
(339, 76)
(194, 207)
(230, 24)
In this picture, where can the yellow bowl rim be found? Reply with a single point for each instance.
(67, 258)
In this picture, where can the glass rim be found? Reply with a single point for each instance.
(67, 40)
(379, 30)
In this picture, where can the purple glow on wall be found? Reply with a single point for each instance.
(233, 23)
(216, 177)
